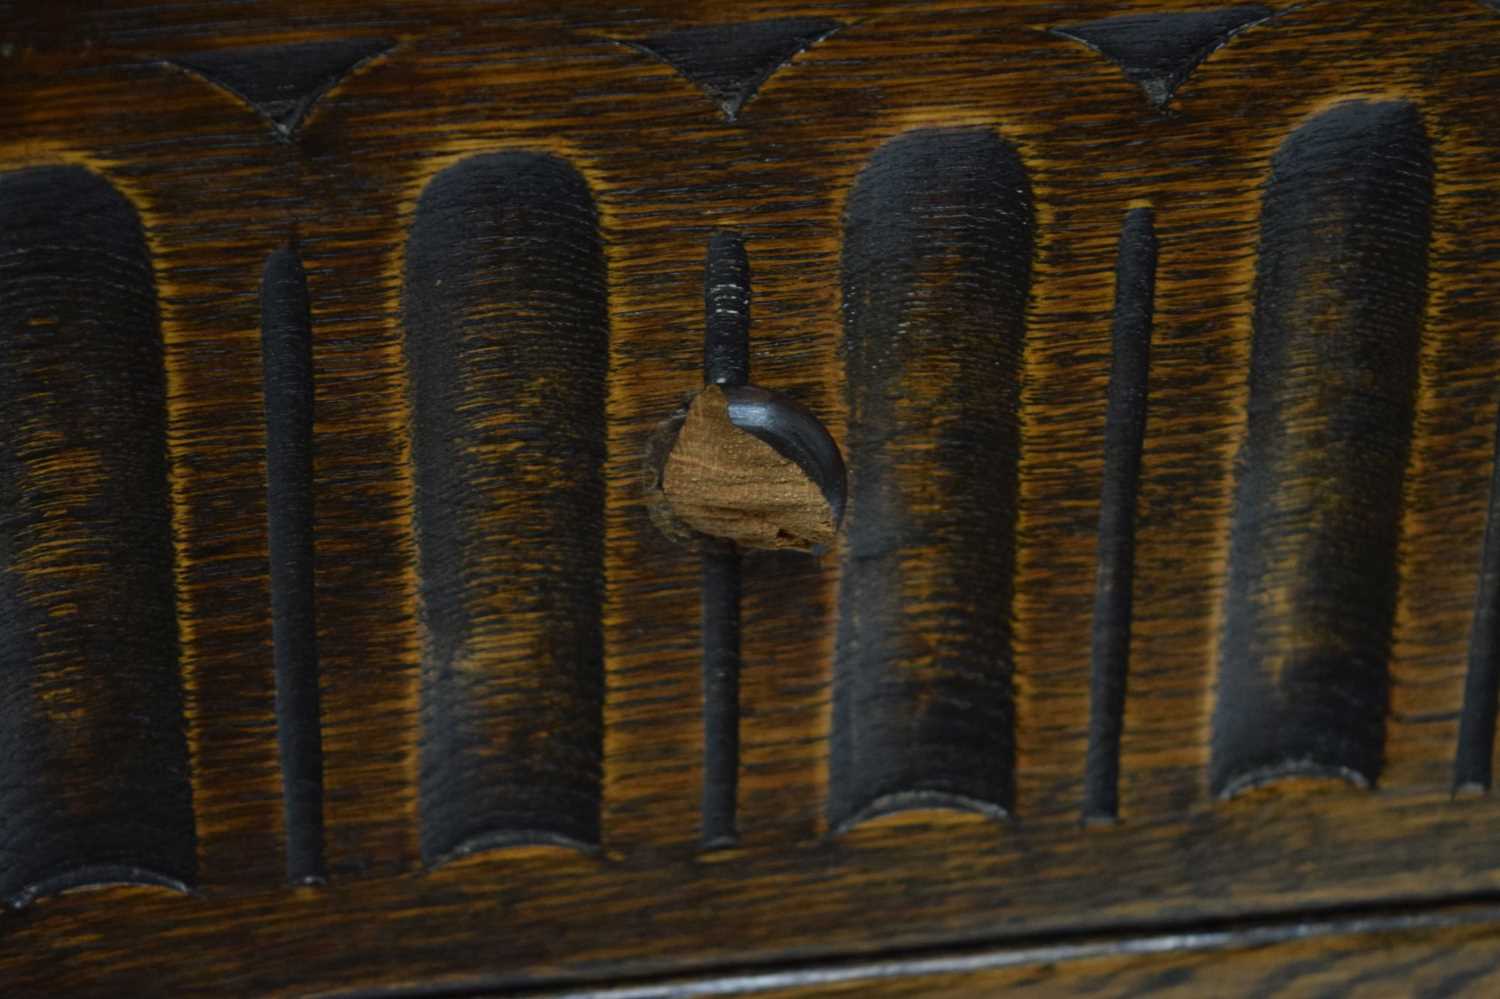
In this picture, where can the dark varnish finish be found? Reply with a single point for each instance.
(730, 62)
(95, 786)
(283, 82)
(1124, 430)
(286, 353)
(1472, 764)
(726, 361)
(507, 347)
(937, 258)
(1339, 295)
(1160, 51)
(1185, 896)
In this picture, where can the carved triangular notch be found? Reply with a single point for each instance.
(730, 62)
(1159, 51)
(283, 82)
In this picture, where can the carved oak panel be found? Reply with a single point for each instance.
(341, 643)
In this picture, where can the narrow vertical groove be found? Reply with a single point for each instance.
(1472, 763)
(726, 311)
(507, 347)
(286, 354)
(726, 361)
(937, 258)
(1124, 431)
(1340, 293)
(95, 787)
(721, 696)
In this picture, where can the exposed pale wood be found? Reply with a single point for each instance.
(721, 481)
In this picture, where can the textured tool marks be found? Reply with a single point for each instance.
(1339, 296)
(1124, 431)
(507, 350)
(286, 352)
(937, 259)
(92, 737)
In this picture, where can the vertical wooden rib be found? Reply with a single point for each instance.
(1472, 764)
(286, 353)
(1124, 430)
(937, 258)
(726, 361)
(1340, 292)
(507, 336)
(93, 743)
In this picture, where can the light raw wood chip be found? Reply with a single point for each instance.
(722, 481)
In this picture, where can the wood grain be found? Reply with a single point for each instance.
(1362, 957)
(732, 482)
(217, 190)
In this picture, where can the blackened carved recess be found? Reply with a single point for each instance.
(507, 343)
(286, 357)
(1124, 433)
(937, 258)
(1340, 291)
(1159, 51)
(1472, 762)
(283, 82)
(96, 786)
(731, 62)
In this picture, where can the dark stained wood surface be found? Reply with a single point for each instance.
(1439, 952)
(501, 213)
(1373, 959)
